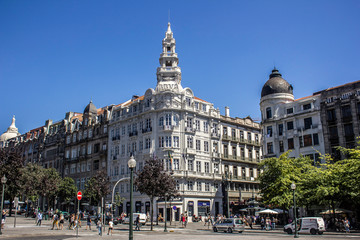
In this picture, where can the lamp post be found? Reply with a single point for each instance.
(3, 181)
(293, 187)
(131, 165)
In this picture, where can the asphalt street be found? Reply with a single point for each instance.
(26, 229)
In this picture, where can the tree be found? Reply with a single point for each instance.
(50, 180)
(153, 181)
(277, 176)
(10, 166)
(97, 187)
(67, 189)
(30, 180)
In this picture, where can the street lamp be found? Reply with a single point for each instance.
(3, 181)
(293, 187)
(131, 165)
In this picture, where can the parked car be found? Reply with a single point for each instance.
(143, 218)
(312, 225)
(229, 225)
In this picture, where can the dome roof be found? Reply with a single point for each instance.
(276, 84)
(11, 132)
(90, 108)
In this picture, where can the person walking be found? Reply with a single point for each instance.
(347, 225)
(39, 218)
(99, 226)
(137, 223)
(3, 219)
(72, 221)
(111, 227)
(61, 221)
(55, 220)
(88, 222)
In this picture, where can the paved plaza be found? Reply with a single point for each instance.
(26, 229)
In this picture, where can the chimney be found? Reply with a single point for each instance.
(227, 112)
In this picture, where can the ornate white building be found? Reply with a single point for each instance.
(290, 124)
(11, 132)
(171, 120)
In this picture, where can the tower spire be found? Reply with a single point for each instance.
(168, 73)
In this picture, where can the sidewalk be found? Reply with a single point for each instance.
(26, 228)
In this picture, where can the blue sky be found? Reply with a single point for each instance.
(57, 55)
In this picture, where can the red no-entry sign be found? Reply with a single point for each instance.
(79, 195)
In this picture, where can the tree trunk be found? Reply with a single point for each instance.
(27, 207)
(10, 207)
(152, 212)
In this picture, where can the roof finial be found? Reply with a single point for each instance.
(169, 28)
(13, 122)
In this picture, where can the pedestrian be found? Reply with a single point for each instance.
(186, 219)
(99, 226)
(262, 223)
(111, 227)
(347, 225)
(61, 221)
(273, 223)
(72, 221)
(3, 219)
(249, 220)
(55, 221)
(39, 218)
(137, 223)
(267, 224)
(88, 222)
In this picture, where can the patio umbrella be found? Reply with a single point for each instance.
(268, 211)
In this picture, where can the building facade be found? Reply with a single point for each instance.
(340, 111)
(86, 144)
(170, 121)
(289, 124)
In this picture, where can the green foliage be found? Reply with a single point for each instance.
(326, 184)
(97, 187)
(30, 179)
(10, 166)
(277, 177)
(67, 189)
(118, 199)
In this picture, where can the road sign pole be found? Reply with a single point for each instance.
(77, 220)
(79, 196)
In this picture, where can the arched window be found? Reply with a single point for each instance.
(268, 113)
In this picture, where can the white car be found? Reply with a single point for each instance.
(229, 225)
(312, 225)
(142, 216)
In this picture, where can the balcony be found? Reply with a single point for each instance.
(190, 130)
(215, 135)
(190, 151)
(133, 133)
(116, 138)
(146, 130)
(216, 155)
(226, 137)
(168, 128)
